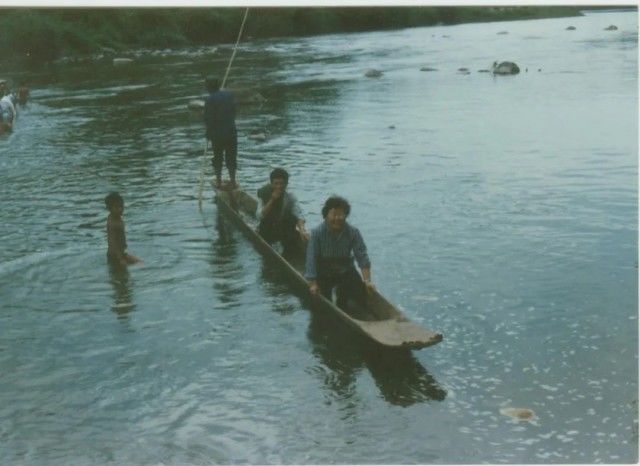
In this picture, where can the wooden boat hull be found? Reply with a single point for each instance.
(385, 325)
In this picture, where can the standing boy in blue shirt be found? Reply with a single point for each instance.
(220, 122)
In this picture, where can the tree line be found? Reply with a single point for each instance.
(48, 33)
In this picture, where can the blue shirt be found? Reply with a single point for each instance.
(325, 244)
(220, 115)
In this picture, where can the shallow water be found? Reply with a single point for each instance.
(500, 211)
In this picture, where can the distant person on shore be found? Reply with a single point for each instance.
(280, 218)
(7, 108)
(116, 238)
(23, 93)
(219, 119)
(330, 254)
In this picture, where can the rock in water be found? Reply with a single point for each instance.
(247, 96)
(122, 61)
(505, 67)
(373, 73)
(521, 414)
(196, 104)
(258, 136)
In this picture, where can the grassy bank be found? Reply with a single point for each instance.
(46, 34)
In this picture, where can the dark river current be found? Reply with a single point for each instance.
(499, 211)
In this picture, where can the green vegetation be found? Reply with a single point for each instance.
(45, 34)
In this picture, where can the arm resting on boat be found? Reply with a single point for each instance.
(366, 276)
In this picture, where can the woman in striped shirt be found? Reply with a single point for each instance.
(330, 253)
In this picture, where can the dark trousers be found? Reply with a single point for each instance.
(283, 231)
(226, 148)
(348, 285)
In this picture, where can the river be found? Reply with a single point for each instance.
(500, 211)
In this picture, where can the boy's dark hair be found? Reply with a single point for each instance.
(212, 83)
(113, 199)
(336, 202)
(279, 173)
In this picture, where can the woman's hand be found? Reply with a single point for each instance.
(370, 286)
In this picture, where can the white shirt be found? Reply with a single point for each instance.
(7, 106)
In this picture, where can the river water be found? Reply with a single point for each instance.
(499, 211)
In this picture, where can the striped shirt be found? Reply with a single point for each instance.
(325, 244)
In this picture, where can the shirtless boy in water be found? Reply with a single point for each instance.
(116, 239)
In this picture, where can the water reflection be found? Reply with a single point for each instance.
(400, 377)
(225, 267)
(122, 295)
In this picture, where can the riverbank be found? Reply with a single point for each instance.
(37, 35)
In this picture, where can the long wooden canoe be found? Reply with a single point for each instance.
(381, 322)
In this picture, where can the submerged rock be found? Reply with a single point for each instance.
(241, 96)
(373, 73)
(521, 414)
(247, 96)
(571, 28)
(196, 104)
(258, 136)
(428, 68)
(611, 28)
(122, 61)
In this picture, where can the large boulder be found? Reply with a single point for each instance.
(504, 68)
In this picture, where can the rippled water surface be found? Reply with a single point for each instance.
(500, 211)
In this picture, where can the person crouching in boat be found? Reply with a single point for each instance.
(280, 217)
(330, 253)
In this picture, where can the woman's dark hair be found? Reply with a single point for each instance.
(279, 173)
(113, 199)
(336, 202)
